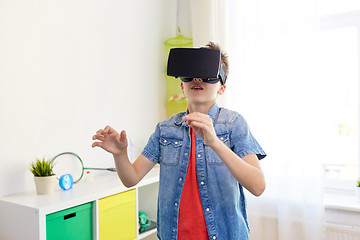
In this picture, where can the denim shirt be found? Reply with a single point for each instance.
(222, 197)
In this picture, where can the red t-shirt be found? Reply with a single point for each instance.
(191, 216)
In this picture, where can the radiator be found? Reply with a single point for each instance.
(341, 232)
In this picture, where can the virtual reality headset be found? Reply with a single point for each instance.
(189, 63)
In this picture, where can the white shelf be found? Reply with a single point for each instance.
(35, 207)
(102, 186)
(147, 233)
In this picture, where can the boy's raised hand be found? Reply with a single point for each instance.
(110, 140)
(203, 126)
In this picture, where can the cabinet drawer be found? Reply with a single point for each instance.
(71, 223)
(118, 217)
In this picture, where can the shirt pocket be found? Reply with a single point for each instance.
(211, 157)
(170, 149)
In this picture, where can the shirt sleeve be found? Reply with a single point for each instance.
(152, 148)
(242, 141)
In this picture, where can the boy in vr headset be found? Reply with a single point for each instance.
(206, 155)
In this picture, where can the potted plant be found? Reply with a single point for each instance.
(44, 177)
(358, 190)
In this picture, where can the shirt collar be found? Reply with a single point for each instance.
(213, 111)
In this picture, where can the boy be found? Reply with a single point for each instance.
(206, 156)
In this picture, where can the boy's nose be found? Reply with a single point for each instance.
(197, 79)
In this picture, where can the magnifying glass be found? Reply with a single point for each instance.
(71, 163)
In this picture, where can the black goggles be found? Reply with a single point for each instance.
(190, 63)
(205, 80)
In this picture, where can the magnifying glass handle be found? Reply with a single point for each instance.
(107, 169)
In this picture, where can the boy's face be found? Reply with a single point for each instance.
(199, 92)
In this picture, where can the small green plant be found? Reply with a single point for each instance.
(358, 182)
(42, 168)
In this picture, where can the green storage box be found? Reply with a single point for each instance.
(72, 223)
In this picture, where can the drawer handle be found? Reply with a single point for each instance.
(71, 215)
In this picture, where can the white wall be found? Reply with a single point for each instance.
(68, 68)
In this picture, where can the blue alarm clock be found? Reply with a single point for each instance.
(66, 182)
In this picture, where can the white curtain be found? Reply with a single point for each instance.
(273, 83)
(208, 21)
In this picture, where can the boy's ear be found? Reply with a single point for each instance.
(222, 89)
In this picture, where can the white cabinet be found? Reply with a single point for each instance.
(23, 216)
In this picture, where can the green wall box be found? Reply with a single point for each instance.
(176, 101)
(72, 223)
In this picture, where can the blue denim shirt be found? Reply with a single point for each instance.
(222, 197)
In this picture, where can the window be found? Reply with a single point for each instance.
(327, 7)
(339, 56)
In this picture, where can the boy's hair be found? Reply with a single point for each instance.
(224, 56)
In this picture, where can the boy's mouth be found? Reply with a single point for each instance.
(197, 88)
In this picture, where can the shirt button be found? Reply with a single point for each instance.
(165, 141)
(180, 179)
(176, 204)
(185, 154)
(214, 237)
(199, 155)
(208, 209)
(202, 183)
(222, 138)
(176, 142)
(174, 230)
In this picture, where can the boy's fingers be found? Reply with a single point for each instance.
(96, 144)
(98, 137)
(197, 124)
(108, 129)
(198, 117)
(104, 131)
(100, 132)
(123, 136)
(192, 118)
(199, 120)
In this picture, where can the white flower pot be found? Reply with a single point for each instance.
(45, 185)
(357, 192)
